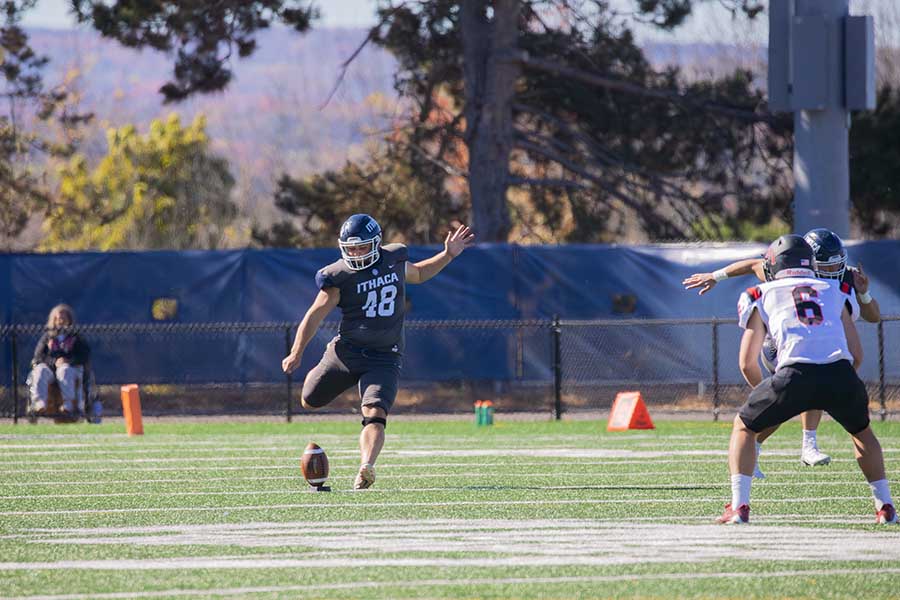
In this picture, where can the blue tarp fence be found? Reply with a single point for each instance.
(488, 282)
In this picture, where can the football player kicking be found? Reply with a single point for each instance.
(831, 263)
(816, 339)
(368, 284)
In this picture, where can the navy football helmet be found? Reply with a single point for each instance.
(831, 256)
(789, 256)
(360, 242)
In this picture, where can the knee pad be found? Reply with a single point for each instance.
(369, 420)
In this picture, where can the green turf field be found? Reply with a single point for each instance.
(520, 510)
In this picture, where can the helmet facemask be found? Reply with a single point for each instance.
(359, 254)
(839, 261)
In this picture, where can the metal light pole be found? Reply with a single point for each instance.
(821, 66)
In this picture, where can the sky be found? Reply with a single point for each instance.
(335, 13)
(711, 23)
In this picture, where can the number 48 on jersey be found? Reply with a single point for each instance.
(380, 302)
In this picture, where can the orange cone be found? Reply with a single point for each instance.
(131, 408)
(629, 412)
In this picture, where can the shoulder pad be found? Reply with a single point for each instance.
(399, 252)
(324, 279)
(746, 303)
(332, 275)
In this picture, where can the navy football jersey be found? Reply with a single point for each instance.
(373, 301)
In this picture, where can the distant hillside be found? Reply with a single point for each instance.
(269, 120)
(709, 60)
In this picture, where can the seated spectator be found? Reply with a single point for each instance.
(60, 357)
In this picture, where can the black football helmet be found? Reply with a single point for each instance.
(789, 256)
(831, 256)
(360, 242)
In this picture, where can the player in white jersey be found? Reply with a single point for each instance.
(831, 263)
(809, 320)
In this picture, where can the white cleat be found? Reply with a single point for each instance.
(38, 406)
(813, 457)
(365, 478)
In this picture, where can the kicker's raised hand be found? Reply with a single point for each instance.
(459, 240)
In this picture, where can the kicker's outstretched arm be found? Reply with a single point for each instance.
(707, 281)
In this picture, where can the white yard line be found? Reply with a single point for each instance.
(450, 544)
(400, 504)
(352, 469)
(487, 487)
(240, 440)
(85, 467)
(107, 439)
(313, 590)
(389, 526)
(567, 453)
(298, 445)
(99, 460)
(624, 478)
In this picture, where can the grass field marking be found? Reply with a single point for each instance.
(38, 534)
(213, 439)
(832, 471)
(92, 440)
(719, 459)
(265, 445)
(308, 590)
(380, 525)
(510, 543)
(353, 470)
(717, 456)
(400, 504)
(764, 462)
(167, 460)
(598, 452)
(351, 473)
(261, 492)
(461, 453)
(104, 441)
(291, 454)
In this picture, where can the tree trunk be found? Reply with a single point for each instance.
(490, 73)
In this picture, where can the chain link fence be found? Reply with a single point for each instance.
(537, 366)
(669, 362)
(691, 365)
